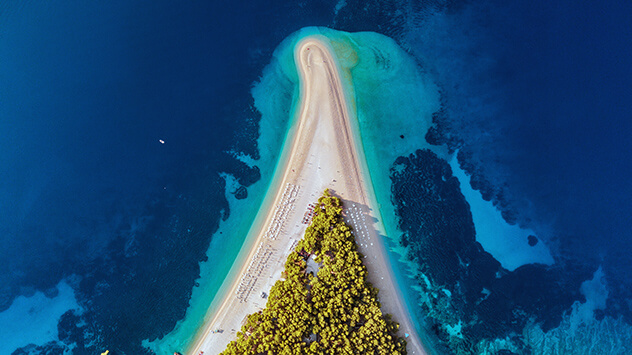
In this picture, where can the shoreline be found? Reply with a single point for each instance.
(401, 313)
(254, 237)
(246, 251)
(324, 122)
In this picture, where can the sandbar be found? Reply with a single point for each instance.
(324, 152)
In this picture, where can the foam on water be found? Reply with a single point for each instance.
(33, 319)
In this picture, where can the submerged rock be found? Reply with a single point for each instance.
(241, 193)
(533, 240)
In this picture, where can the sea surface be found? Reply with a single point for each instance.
(137, 141)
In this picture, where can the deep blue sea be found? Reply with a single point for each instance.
(117, 120)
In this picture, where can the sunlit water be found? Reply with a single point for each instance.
(136, 151)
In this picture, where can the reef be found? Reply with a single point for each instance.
(464, 287)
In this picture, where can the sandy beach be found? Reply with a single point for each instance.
(323, 153)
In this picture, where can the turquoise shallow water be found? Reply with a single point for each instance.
(275, 97)
(533, 95)
(395, 102)
(375, 69)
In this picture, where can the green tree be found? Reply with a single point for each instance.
(334, 312)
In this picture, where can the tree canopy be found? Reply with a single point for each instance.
(335, 311)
